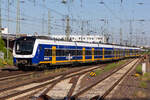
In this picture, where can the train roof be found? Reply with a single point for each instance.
(43, 39)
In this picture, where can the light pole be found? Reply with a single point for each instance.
(130, 26)
(67, 28)
(49, 26)
(18, 18)
(143, 33)
(8, 30)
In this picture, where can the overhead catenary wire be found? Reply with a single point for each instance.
(31, 20)
(52, 10)
(25, 18)
(111, 11)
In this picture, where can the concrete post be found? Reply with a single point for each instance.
(143, 68)
(147, 63)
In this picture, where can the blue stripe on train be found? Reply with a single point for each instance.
(108, 56)
(98, 57)
(88, 57)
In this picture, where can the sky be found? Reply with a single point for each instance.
(108, 17)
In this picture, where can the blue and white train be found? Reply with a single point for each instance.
(37, 51)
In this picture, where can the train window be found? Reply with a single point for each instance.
(88, 52)
(58, 52)
(62, 52)
(79, 52)
(66, 52)
(72, 52)
(98, 52)
(131, 52)
(95, 52)
(47, 52)
(108, 52)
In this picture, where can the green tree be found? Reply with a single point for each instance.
(2, 44)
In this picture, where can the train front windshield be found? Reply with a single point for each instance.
(24, 46)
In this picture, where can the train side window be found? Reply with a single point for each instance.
(88, 52)
(75, 52)
(79, 52)
(95, 52)
(108, 52)
(98, 52)
(58, 52)
(47, 52)
(66, 52)
(72, 52)
(62, 52)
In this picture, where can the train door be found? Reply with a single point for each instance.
(83, 54)
(114, 53)
(40, 53)
(53, 54)
(92, 54)
(103, 54)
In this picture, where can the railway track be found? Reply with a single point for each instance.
(100, 90)
(50, 86)
(6, 82)
(11, 73)
(15, 91)
(6, 72)
(15, 76)
(64, 87)
(65, 90)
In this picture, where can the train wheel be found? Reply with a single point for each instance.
(22, 67)
(42, 67)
